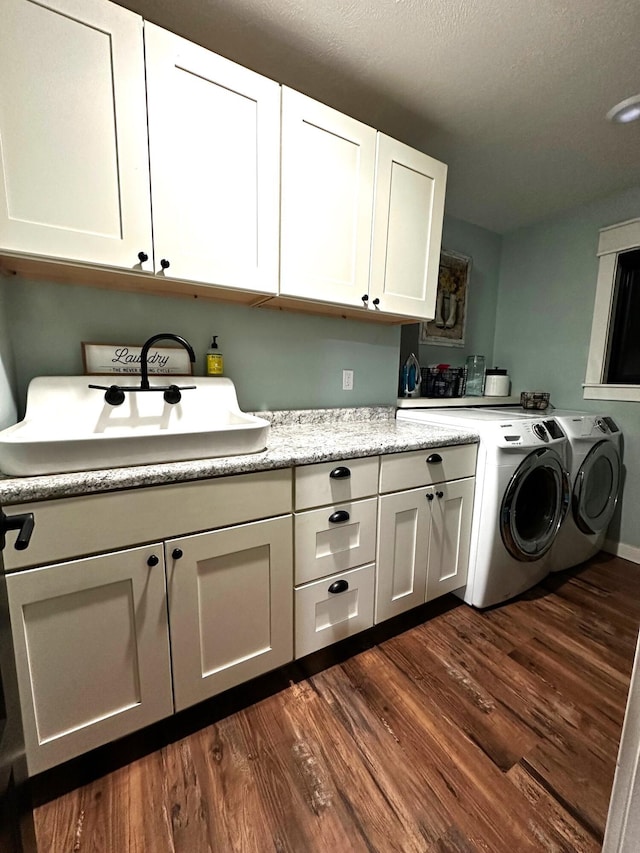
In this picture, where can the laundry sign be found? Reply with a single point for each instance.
(126, 359)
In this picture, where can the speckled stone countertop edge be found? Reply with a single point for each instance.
(302, 442)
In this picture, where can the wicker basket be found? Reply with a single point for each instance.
(534, 399)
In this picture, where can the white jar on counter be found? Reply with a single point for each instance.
(496, 383)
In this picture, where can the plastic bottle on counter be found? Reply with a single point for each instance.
(215, 360)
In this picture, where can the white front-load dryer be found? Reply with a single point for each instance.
(521, 498)
(595, 471)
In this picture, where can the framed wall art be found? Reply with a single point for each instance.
(448, 326)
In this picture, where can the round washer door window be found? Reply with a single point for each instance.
(596, 488)
(534, 505)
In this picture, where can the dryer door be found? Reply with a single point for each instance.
(534, 505)
(596, 488)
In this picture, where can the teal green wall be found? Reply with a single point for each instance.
(276, 359)
(530, 308)
(7, 378)
(543, 326)
(483, 247)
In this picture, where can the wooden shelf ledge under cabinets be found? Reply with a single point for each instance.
(112, 278)
(140, 281)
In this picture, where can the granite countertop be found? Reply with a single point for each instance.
(299, 437)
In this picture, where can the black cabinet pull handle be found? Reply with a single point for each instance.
(340, 473)
(152, 560)
(429, 496)
(339, 516)
(440, 494)
(338, 586)
(434, 458)
(23, 523)
(376, 301)
(365, 298)
(142, 257)
(164, 263)
(177, 553)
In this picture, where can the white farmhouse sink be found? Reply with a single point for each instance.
(69, 427)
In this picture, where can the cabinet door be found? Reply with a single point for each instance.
(327, 202)
(74, 172)
(214, 143)
(407, 229)
(230, 606)
(92, 651)
(403, 552)
(450, 537)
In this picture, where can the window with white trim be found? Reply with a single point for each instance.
(613, 368)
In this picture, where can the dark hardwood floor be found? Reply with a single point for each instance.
(473, 731)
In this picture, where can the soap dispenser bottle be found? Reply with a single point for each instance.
(215, 361)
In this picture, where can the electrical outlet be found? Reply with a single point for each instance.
(347, 380)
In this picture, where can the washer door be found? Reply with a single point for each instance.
(534, 505)
(596, 488)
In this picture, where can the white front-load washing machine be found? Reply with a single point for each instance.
(595, 475)
(521, 498)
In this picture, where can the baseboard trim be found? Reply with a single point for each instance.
(621, 549)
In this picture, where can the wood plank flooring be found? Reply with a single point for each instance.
(472, 731)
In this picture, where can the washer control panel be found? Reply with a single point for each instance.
(529, 433)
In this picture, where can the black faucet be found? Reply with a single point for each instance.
(114, 395)
(169, 336)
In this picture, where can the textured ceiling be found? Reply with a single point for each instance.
(511, 94)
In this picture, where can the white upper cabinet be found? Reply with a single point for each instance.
(407, 230)
(361, 218)
(214, 143)
(74, 175)
(115, 133)
(328, 165)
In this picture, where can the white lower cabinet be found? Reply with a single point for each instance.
(108, 643)
(92, 651)
(333, 609)
(335, 548)
(230, 606)
(423, 545)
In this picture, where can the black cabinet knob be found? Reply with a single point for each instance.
(338, 586)
(339, 516)
(429, 496)
(440, 494)
(340, 473)
(365, 298)
(152, 560)
(164, 263)
(142, 257)
(433, 459)
(376, 301)
(177, 553)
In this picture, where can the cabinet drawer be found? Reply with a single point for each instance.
(335, 482)
(73, 527)
(423, 467)
(324, 617)
(334, 538)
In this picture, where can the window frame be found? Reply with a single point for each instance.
(614, 240)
